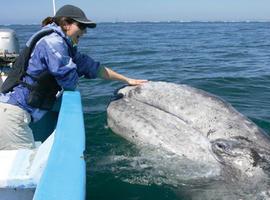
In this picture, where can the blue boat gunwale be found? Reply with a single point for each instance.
(65, 174)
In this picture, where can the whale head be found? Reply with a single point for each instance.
(210, 138)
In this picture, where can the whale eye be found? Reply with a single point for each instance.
(220, 146)
(220, 149)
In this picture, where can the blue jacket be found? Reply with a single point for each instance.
(55, 53)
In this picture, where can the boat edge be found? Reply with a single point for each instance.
(65, 174)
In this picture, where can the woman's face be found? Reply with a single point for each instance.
(75, 31)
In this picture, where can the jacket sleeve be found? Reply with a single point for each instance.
(59, 63)
(86, 66)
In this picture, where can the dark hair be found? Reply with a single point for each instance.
(46, 21)
(60, 21)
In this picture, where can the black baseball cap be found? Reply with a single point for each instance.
(76, 14)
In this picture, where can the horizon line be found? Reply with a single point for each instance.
(162, 21)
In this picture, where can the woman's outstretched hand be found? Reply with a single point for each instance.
(135, 81)
(107, 73)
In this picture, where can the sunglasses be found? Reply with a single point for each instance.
(81, 26)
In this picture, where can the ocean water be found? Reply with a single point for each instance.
(231, 60)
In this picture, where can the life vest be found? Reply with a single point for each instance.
(44, 89)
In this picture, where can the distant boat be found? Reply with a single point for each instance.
(9, 51)
(55, 169)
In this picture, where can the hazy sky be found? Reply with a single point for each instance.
(33, 11)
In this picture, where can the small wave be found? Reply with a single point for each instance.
(143, 52)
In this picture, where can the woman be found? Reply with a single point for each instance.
(53, 63)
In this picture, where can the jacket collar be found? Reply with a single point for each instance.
(56, 29)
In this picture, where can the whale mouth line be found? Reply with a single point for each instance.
(119, 95)
(165, 111)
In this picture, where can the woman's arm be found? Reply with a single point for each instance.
(109, 74)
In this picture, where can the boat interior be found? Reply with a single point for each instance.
(21, 169)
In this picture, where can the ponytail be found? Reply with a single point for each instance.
(47, 20)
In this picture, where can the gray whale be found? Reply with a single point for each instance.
(213, 142)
